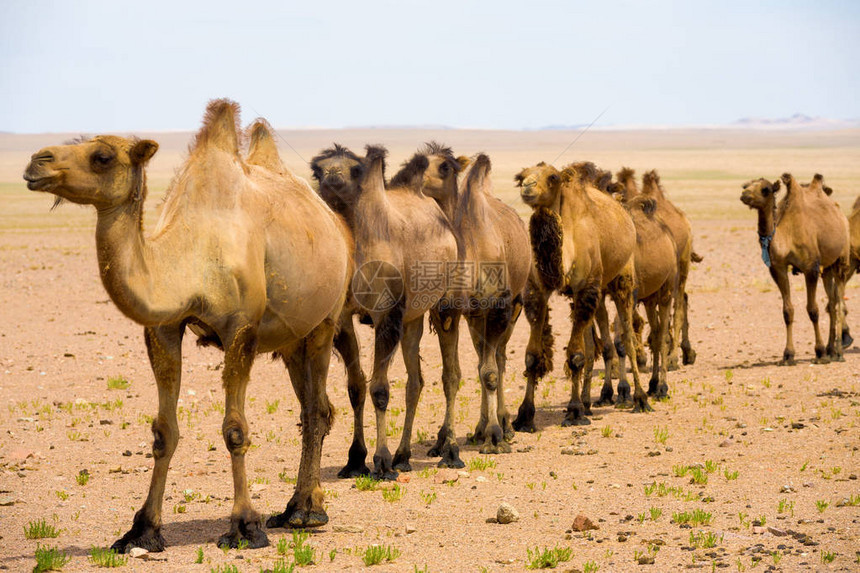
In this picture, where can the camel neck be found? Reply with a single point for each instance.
(123, 259)
(767, 219)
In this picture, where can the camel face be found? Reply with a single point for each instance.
(337, 170)
(440, 179)
(539, 185)
(104, 171)
(758, 192)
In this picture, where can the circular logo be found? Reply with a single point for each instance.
(377, 286)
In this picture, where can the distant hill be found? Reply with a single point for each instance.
(796, 121)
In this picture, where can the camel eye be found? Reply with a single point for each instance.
(443, 170)
(101, 159)
(355, 171)
(553, 179)
(765, 191)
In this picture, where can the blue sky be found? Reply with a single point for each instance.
(99, 66)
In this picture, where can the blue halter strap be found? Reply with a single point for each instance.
(765, 248)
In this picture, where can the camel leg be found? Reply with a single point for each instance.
(447, 326)
(621, 290)
(688, 353)
(780, 277)
(388, 332)
(501, 363)
(590, 340)
(412, 333)
(836, 310)
(238, 359)
(346, 344)
(679, 315)
(610, 355)
(487, 330)
(812, 310)
(538, 353)
(308, 367)
(638, 331)
(582, 310)
(658, 311)
(164, 346)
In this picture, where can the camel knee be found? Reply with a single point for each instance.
(163, 440)
(813, 314)
(379, 397)
(235, 437)
(490, 380)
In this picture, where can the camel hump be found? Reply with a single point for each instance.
(651, 178)
(856, 204)
(411, 175)
(262, 149)
(481, 166)
(583, 172)
(220, 127)
(625, 174)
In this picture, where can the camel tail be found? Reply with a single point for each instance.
(696, 257)
(220, 127)
(262, 149)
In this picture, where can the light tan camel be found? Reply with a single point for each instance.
(404, 244)
(583, 243)
(494, 263)
(229, 258)
(806, 233)
(682, 234)
(656, 283)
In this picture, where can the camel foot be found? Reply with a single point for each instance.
(623, 393)
(586, 408)
(479, 436)
(494, 441)
(575, 416)
(640, 404)
(383, 468)
(672, 363)
(847, 340)
(355, 465)
(525, 421)
(688, 355)
(401, 461)
(508, 430)
(606, 395)
(297, 518)
(142, 534)
(450, 456)
(822, 360)
(658, 390)
(243, 530)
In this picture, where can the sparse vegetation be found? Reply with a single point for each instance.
(547, 558)
(83, 477)
(366, 483)
(117, 383)
(376, 554)
(40, 529)
(101, 557)
(50, 559)
(481, 463)
(393, 494)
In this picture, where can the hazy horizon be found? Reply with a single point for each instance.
(99, 66)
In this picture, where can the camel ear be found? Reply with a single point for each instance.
(828, 190)
(649, 206)
(776, 186)
(617, 196)
(463, 161)
(519, 177)
(142, 151)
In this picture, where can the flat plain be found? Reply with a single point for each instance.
(748, 465)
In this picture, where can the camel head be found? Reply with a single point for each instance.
(337, 170)
(104, 171)
(759, 193)
(440, 177)
(539, 185)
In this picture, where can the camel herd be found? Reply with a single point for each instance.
(252, 259)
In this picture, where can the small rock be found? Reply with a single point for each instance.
(348, 529)
(777, 532)
(654, 454)
(445, 476)
(758, 529)
(105, 422)
(726, 443)
(797, 425)
(410, 528)
(808, 484)
(7, 500)
(462, 474)
(525, 449)
(669, 449)
(568, 451)
(137, 552)
(646, 560)
(622, 538)
(582, 523)
(507, 513)
(787, 489)
(403, 478)
(480, 479)
(505, 561)
(127, 453)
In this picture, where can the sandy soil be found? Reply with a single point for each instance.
(774, 443)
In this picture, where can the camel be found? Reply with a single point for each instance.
(682, 234)
(229, 259)
(656, 283)
(807, 233)
(495, 259)
(403, 244)
(583, 243)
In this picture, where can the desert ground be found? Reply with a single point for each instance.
(763, 458)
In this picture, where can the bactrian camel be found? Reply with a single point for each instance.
(583, 243)
(244, 254)
(403, 246)
(805, 233)
(494, 262)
